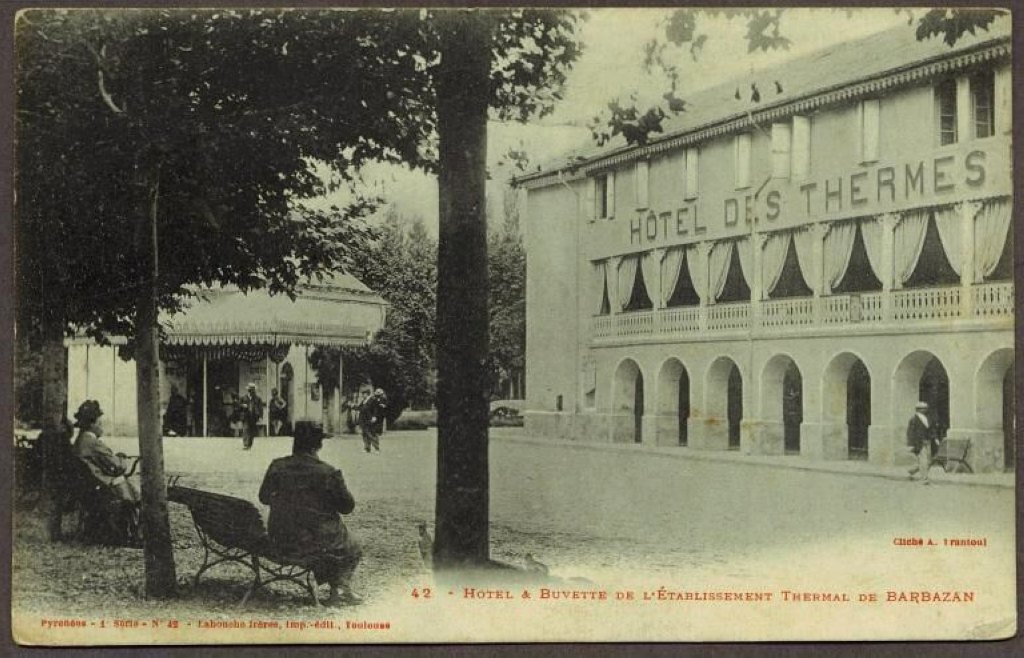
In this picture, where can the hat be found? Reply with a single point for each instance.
(308, 437)
(921, 404)
(379, 391)
(251, 385)
(87, 414)
(307, 429)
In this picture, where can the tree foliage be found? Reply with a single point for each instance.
(399, 263)
(202, 126)
(682, 32)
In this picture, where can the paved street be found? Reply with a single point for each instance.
(605, 513)
(610, 518)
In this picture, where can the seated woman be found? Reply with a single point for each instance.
(112, 510)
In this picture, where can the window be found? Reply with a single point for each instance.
(945, 108)
(601, 195)
(741, 159)
(869, 127)
(642, 182)
(691, 173)
(982, 104)
(801, 145)
(781, 143)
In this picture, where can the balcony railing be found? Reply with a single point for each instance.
(990, 301)
(993, 299)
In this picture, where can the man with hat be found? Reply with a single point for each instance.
(307, 498)
(252, 413)
(920, 440)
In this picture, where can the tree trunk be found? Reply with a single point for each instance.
(462, 513)
(55, 383)
(157, 551)
(54, 411)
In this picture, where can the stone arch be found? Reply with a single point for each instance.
(845, 397)
(781, 405)
(674, 401)
(627, 401)
(988, 389)
(906, 385)
(723, 403)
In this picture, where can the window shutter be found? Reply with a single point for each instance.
(1003, 99)
(801, 148)
(609, 191)
(591, 202)
(691, 173)
(781, 136)
(869, 124)
(642, 183)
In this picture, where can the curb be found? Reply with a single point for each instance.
(857, 469)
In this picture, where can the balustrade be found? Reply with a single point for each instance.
(993, 299)
(926, 304)
(990, 300)
(728, 316)
(680, 320)
(787, 312)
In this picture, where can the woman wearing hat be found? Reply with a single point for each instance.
(116, 523)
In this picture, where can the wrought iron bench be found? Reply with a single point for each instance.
(231, 530)
(952, 456)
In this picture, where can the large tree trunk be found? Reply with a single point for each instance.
(55, 385)
(462, 512)
(157, 551)
(54, 411)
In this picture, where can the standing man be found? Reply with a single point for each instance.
(307, 498)
(252, 413)
(176, 416)
(278, 412)
(921, 441)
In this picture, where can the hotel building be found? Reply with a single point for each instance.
(799, 258)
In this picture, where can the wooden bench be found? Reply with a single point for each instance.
(231, 530)
(952, 456)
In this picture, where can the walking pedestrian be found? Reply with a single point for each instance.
(371, 419)
(921, 441)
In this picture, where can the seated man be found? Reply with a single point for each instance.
(306, 498)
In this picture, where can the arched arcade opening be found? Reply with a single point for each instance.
(674, 400)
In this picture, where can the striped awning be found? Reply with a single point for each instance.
(227, 316)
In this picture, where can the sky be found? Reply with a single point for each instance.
(610, 67)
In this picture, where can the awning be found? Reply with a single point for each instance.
(227, 316)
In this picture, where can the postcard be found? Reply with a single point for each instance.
(359, 326)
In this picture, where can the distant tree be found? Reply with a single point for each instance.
(683, 38)
(400, 264)
(507, 272)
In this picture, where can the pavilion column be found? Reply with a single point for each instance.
(206, 405)
(266, 393)
(341, 389)
(305, 382)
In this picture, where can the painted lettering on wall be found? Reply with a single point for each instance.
(649, 226)
(866, 190)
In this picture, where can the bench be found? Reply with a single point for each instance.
(231, 530)
(952, 456)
